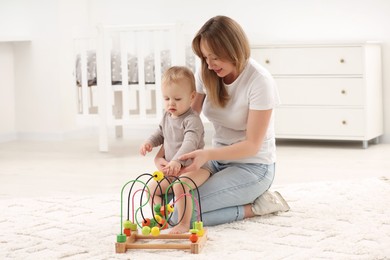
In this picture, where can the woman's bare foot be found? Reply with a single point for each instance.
(180, 229)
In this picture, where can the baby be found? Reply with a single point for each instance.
(180, 131)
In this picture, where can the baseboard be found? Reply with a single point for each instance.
(34, 136)
(49, 136)
(8, 137)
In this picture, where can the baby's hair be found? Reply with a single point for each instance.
(176, 74)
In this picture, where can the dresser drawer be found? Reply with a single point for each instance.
(330, 60)
(321, 91)
(301, 121)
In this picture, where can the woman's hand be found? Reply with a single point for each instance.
(198, 157)
(172, 168)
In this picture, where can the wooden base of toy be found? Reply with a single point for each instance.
(131, 242)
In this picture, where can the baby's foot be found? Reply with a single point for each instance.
(179, 229)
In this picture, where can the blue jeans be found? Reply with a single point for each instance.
(232, 186)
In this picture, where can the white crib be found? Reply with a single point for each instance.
(118, 99)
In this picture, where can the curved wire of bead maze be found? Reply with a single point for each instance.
(129, 236)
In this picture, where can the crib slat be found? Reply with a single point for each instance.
(125, 75)
(158, 35)
(103, 56)
(77, 74)
(110, 95)
(177, 45)
(141, 73)
(86, 103)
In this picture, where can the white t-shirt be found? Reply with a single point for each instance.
(254, 89)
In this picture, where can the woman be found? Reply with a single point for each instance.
(237, 96)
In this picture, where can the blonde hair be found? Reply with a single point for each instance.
(228, 41)
(176, 74)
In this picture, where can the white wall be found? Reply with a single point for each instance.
(45, 98)
(7, 96)
(42, 92)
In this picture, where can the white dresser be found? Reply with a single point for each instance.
(328, 91)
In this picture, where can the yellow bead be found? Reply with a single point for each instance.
(155, 231)
(158, 176)
(170, 208)
(200, 233)
(158, 218)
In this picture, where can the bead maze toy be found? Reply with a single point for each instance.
(151, 228)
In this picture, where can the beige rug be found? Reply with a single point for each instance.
(328, 220)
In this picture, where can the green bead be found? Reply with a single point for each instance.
(198, 225)
(127, 224)
(145, 230)
(193, 231)
(157, 208)
(121, 238)
(133, 226)
(153, 223)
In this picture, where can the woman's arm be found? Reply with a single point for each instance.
(198, 102)
(257, 125)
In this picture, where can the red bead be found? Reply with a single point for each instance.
(193, 238)
(163, 224)
(146, 222)
(162, 211)
(127, 231)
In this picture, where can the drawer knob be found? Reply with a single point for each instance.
(343, 92)
(344, 122)
(267, 61)
(342, 60)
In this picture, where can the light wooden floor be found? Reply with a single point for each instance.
(38, 168)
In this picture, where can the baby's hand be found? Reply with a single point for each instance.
(172, 168)
(145, 148)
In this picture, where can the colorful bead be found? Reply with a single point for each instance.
(157, 208)
(127, 224)
(200, 233)
(155, 231)
(170, 208)
(146, 222)
(158, 218)
(193, 238)
(158, 176)
(163, 224)
(133, 226)
(145, 230)
(127, 231)
(121, 238)
(198, 225)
